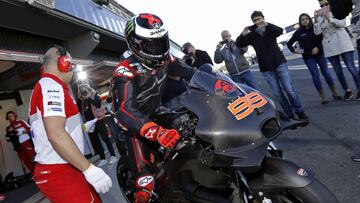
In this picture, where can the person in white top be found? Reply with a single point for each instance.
(336, 44)
(62, 173)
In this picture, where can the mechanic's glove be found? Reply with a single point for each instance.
(165, 137)
(98, 179)
(89, 126)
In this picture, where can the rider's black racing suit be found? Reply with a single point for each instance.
(137, 95)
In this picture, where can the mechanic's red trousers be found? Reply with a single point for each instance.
(62, 183)
(27, 154)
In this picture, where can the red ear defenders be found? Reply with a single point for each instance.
(10, 112)
(64, 62)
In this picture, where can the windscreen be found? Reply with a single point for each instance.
(216, 83)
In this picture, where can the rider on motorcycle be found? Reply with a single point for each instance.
(139, 80)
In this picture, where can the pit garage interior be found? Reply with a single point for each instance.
(91, 31)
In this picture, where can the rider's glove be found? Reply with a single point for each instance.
(165, 137)
(98, 179)
(142, 196)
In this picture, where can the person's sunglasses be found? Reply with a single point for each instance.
(325, 4)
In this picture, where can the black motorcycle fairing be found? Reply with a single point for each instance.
(278, 174)
(246, 159)
(225, 132)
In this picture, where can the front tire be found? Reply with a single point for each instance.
(126, 180)
(315, 192)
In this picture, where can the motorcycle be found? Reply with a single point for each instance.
(226, 153)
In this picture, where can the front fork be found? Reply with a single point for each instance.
(273, 151)
(247, 195)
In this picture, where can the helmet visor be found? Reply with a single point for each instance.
(155, 47)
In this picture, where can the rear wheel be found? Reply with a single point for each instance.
(312, 193)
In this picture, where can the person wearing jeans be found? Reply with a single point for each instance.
(262, 36)
(278, 80)
(348, 58)
(336, 43)
(310, 48)
(235, 61)
(245, 78)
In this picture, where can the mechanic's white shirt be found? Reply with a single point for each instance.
(51, 97)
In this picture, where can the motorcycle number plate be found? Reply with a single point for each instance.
(242, 107)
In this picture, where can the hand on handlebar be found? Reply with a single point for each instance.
(167, 138)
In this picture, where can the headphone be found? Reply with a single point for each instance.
(10, 112)
(64, 62)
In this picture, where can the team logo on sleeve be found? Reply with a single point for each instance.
(123, 71)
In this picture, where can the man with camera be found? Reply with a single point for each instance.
(272, 63)
(235, 61)
(196, 58)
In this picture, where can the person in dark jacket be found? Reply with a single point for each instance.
(196, 57)
(235, 61)
(312, 52)
(262, 36)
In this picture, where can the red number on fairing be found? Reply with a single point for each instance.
(244, 106)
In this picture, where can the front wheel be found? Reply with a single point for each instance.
(315, 192)
(125, 180)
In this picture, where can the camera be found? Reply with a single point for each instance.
(224, 41)
(189, 59)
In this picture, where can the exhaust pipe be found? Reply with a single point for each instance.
(205, 194)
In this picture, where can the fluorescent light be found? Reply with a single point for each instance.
(82, 75)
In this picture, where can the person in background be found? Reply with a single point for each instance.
(341, 9)
(235, 61)
(93, 103)
(262, 36)
(336, 44)
(62, 173)
(196, 58)
(313, 55)
(17, 132)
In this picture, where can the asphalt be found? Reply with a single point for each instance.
(333, 135)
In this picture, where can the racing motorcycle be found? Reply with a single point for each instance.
(226, 153)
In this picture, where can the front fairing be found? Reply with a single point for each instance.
(219, 125)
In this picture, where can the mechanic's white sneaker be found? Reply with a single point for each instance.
(113, 160)
(102, 162)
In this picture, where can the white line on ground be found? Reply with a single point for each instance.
(304, 67)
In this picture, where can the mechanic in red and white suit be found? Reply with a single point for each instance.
(62, 173)
(17, 132)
